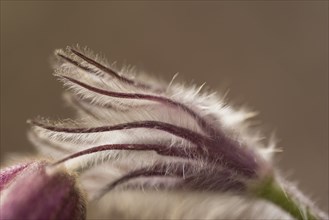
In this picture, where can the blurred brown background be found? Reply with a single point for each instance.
(273, 55)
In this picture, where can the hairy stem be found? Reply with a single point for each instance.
(273, 192)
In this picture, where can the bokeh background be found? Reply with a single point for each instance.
(271, 55)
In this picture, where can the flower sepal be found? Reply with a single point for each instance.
(39, 191)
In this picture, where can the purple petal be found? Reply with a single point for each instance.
(9, 174)
(36, 194)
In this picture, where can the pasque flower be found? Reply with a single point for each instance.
(33, 190)
(136, 141)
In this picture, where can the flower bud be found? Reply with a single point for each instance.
(8, 174)
(184, 139)
(34, 192)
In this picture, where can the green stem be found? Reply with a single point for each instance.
(274, 193)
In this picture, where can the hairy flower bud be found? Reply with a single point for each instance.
(33, 191)
(132, 133)
(8, 174)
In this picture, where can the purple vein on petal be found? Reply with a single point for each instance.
(160, 149)
(135, 174)
(233, 155)
(190, 176)
(157, 170)
(75, 63)
(201, 122)
(109, 70)
(187, 134)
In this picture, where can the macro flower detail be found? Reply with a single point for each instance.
(7, 175)
(185, 126)
(36, 191)
(133, 133)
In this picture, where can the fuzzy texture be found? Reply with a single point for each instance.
(179, 205)
(40, 193)
(135, 133)
(119, 113)
(9, 174)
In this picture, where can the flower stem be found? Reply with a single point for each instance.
(274, 193)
